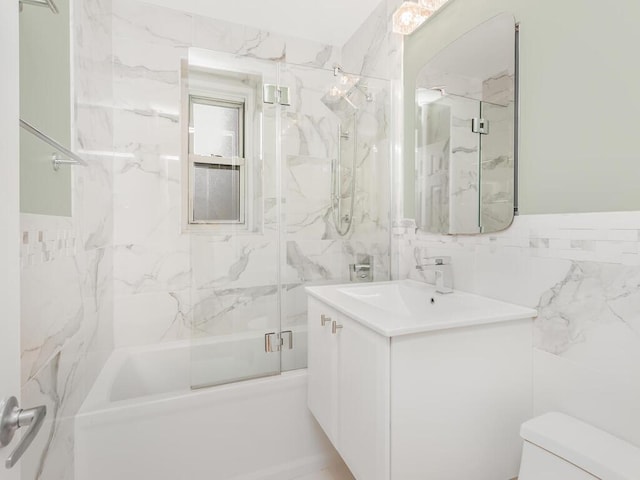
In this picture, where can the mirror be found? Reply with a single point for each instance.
(465, 133)
(578, 100)
(45, 103)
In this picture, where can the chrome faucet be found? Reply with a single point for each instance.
(441, 266)
(363, 270)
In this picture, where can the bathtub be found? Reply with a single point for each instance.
(141, 420)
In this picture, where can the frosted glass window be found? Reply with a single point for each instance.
(217, 193)
(217, 167)
(217, 128)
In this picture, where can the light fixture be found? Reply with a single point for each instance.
(432, 5)
(410, 15)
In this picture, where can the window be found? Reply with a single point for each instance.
(222, 133)
(217, 165)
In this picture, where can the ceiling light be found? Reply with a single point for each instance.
(432, 5)
(410, 15)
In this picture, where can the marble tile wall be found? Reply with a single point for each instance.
(153, 259)
(374, 50)
(67, 263)
(315, 252)
(582, 273)
(120, 267)
(167, 282)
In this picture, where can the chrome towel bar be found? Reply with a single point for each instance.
(57, 161)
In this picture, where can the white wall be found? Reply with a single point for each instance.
(9, 211)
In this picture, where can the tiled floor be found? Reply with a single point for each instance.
(334, 473)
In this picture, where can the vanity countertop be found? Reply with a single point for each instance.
(406, 307)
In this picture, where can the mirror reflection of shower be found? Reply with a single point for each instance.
(345, 100)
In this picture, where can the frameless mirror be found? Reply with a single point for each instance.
(465, 135)
(45, 103)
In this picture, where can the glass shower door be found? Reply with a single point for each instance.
(447, 163)
(235, 278)
(497, 164)
(334, 133)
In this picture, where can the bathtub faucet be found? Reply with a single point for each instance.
(441, 266)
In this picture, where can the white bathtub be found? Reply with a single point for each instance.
(142, 421)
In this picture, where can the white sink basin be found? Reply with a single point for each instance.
(402, 298)
(406, 306)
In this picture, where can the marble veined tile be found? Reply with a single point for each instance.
(143, 22)
(595, 304)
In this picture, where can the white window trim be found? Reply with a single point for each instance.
(233, 92)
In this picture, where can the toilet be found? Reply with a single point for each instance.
(559, 447)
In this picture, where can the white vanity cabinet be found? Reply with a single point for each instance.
(349, 389)
(405, 404)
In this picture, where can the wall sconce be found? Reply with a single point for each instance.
(410, 15)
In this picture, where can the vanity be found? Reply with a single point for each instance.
(410, 384)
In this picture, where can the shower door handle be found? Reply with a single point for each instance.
(12, 417)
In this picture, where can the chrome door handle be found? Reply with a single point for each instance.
(324, 319)
(12, 417)
(335, 327)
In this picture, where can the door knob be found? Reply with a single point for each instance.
(12, 417)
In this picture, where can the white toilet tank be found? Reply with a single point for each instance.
(559, 447)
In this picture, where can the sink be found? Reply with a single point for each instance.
(397, 298)
(401, 298)
(407, 306)
(417, 299)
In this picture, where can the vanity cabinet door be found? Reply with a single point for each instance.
(322, 367)
(363, 400)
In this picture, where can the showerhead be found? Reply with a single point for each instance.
(348, 96)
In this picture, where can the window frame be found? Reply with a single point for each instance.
(235, 161)
(223, 89)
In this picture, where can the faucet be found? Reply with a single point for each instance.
(363, 270)
(441, 266)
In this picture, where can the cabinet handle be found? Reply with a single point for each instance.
(324, 320)
(335, 327)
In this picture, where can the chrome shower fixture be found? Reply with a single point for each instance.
(345, 98)
(347, 83)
